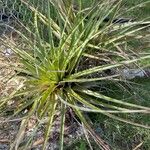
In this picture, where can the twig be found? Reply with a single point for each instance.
(13, 120)
(38, 142)
(4, 141)
(138, 146)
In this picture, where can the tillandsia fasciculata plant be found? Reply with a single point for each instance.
(71, 52)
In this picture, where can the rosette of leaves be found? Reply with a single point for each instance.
(71, 53)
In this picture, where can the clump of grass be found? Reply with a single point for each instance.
(51, 65)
